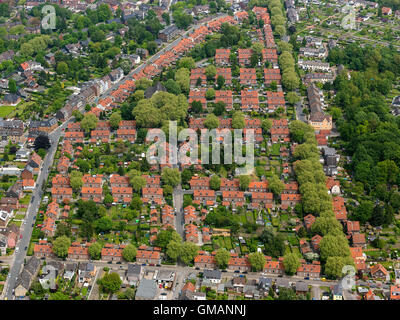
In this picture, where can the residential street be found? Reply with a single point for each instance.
(178, 206)
(26, 229)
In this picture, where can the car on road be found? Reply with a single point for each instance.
(16, 250)
(109, 262)
(119, 262)
(237, 271)
(143, 264)
(33, 225)
(306, 278)
(26, 248)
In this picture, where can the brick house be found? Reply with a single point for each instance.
(205, 197)
(112, 252)
(222, 57)
(152, 195)
(78, 251)
(198, 73)
(226, 73)
(43, 249)
(199, 183)
(244, 56)
(238, 264)
(309, 221)
(117, 181)
(378, 271)
(258, 186)
(92, 193)
(229, 185)
(271, 75)
(148, 255)
(248, 76)
(312, 270)
(275, 100)
(191, 233)
(61, 194)
(122, 194)
(234, 198)
(274, 267)
(249, 99)
(204, 261)
(289, 200)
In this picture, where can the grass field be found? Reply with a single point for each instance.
(5, 111)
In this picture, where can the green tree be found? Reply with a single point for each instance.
(292, 97)
(220, 81)
(215, 182)
(275, 185)
(291, 263)
(95, 251)
(110, 283)
(187, 62)
(182, 77)
(334, 266)
(61, 246)
(188, 252)
(334, 246)
(89, 122)
(211, 121)
(238, 121)
(129, 252)
(62, 68)
(244, 182)
(115, 119)
(325, 225)
(257, 261)
(76, 180)
(210, 72)
(174, 250)
(210, 94)
(138, 182)
(12, 86)
(222, 257)
(171, 177)
(104, 224)
(266, 125)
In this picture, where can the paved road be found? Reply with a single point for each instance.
(299, 112)
(26, 229)
(178, 206)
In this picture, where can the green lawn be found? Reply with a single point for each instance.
(5, 110)
(25, 200)
(274, 150)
